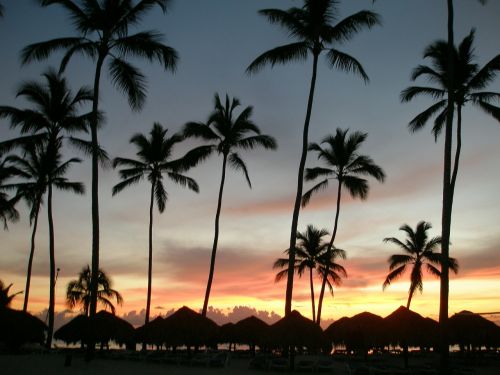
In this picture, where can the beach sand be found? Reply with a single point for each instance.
(54, 364)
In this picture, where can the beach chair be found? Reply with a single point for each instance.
(220, 359)
(279, 364)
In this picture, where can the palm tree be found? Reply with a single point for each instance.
(154, 160)
(419, 253)
(348, 167)
(103, 28)
(226, 132)
(314, 32)
(78, 291)
(1, 10)
(448, 193)
(54, 110)
(8, 212)
(43, 162)
(5, 297)
(309, 248)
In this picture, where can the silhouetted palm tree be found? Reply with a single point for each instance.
(78, 291)
(312, 28)
(309, 248)
(154, 160)
(54, 111)
(1, 10)
(447, 198)
(103, 28)
(348, 167)
(226, 132)
(5, 297)
(8, 212)
(44, 163)
(327, 265)
(419, 252)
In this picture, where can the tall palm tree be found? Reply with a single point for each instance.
(5, 296)
(345, 164)
(44, 163)
(448, 193)
(310, 245)
(314, 32)
(419, 253)
(458, 79)
(226, 132)
(78, 291)
(54, 111)
(103, 28)
(154, 160)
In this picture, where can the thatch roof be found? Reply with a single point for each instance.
(251, 331)
(187, 327)
(467, 328)
(18, 327)
(296, 330)
(406, 327)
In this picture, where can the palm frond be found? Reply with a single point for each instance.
(237, 163)
(346, 63)
(129, 80)
(280, 55)
(322, 185)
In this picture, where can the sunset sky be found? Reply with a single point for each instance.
(216, 41)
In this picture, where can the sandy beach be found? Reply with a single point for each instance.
(54, 363)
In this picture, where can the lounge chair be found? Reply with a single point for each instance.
(220, 359)
(280, 364)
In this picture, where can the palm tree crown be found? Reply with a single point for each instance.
(419, 253)
(467, 82)
(344, 164)
(78, 291)
(5, 296)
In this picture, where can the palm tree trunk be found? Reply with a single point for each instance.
(52, 269)
(447, 204)
(30, 260)
(95, 199)
(216, 238)
(150, 259)
(330, 245)
(458, 149)
(312, 293)
(410, 296)
(298, 196)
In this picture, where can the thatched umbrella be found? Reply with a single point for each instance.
(406, 328)
(152, 332)
(106, 327)
(360, 332)
(226, 334)
(18, 327)
(297, 331)
(76, 330)
(472, 330)
(251, 331)
(187, 327)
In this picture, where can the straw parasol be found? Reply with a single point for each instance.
(187, 327)
(107, 327)
(296, 330)
(18, 327)
(469, 329)
(251, 331)
(360, 332)
(151, 332)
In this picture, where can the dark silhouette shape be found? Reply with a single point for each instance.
(294, 330)
(1, 9)
(418, 253)
(151, 332)
(404, 327)
(470, 331)
(348, 167)
(311, 253)
(43, 162)
(452, 79)
(154, 161)
(54, 112)
(226, 132)
(78, 291)
(107, 327)
(313, 29)
(359, 333)
(19, 327)
(8, 212)
(251, 331)
(103, 28)
(5, 296)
